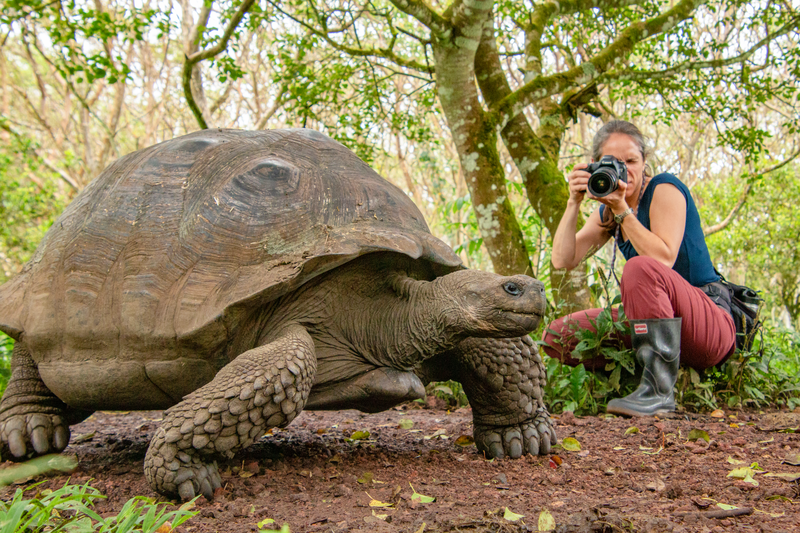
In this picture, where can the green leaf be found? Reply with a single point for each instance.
(359, 435)
(420, 497)
(571, 445)
(613, 379)
(511, 516)
(405, 423)
(745, 474)
(445, 389)
(631, 430)
(696, 434)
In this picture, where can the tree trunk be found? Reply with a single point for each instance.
(535, 153)
(476, 142)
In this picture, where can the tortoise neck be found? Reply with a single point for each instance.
(416, 324)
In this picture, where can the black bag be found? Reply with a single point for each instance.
(745, 305)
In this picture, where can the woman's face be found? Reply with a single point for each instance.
(627, 150)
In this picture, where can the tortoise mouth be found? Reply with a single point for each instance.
(525, 320)
(538, 311)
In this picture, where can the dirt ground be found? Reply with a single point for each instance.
(315, 477)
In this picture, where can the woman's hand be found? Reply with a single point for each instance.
(577, 181)
(615, 200)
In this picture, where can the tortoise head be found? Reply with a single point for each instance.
(484, 304)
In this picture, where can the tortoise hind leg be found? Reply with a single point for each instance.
(33, 421)
(262, 388)
(371, 392)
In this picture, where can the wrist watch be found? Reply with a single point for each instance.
(618, 218)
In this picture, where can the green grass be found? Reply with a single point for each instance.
(70, 509)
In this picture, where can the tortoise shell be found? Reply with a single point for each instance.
(163, 253)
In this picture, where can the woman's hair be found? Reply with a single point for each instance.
(617, 126)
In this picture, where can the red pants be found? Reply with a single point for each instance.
(652, 290)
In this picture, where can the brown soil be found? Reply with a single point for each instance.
(312, 477)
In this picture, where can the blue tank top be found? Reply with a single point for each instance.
(693, 262)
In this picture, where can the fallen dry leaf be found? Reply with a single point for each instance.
(792, 459)
(465, 440)
(546, 521)
(786, 476)
(377, 503)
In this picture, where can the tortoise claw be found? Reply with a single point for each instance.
(186, 490)
(40, 441)
(534, 436)
(61, 437)
(33, 434)
(512, 443)
(206, 490)
(16, 444)
(182, 472)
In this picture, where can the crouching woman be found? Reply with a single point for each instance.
(668, 272)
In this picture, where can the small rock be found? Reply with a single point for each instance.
(567, 418)
(674, 491)
(342, 490)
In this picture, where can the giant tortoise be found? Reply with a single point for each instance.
(235, 278)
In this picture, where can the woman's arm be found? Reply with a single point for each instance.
(667, 226)
(569, 245)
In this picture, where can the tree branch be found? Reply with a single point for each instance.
(200, 55)
(587, 72)
(386, 53)
(435, 22)
(743, 198)
(640, 75)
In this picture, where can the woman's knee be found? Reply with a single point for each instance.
(639, 270)
(641, 275)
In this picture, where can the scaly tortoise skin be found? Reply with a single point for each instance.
(235, 278)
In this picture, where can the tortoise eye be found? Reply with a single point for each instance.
(512, 288)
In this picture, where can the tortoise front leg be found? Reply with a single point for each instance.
(503, 380)
(33, 420)
(262, 388)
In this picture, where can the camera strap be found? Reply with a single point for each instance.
(618, 232)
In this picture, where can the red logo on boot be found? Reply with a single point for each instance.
(640, 329)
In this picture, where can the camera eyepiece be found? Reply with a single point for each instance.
(606, 175)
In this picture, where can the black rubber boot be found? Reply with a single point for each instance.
(658, 348)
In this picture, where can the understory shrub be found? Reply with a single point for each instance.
(767, 375)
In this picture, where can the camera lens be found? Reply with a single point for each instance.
(602, 182)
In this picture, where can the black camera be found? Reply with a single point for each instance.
(605, 175)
